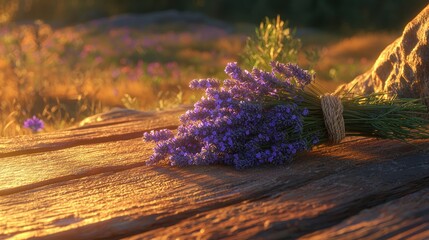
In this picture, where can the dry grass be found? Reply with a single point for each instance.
(343, 60)
(67, 74)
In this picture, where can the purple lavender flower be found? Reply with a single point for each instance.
(305, 112)
(291, 70)
(34, 123)
(233, 70)
(241, 123)
(204, 83)
(157, 136)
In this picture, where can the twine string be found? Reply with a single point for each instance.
(333, 116)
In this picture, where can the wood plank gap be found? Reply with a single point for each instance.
(341, 212)
(403, 218)
(79, 142)
(91, 172)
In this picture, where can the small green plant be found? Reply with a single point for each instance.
(274, 41)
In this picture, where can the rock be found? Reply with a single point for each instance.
(403, 66)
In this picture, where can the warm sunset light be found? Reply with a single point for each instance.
(197, 119)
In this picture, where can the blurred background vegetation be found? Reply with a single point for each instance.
(63, 61)
(334, 15)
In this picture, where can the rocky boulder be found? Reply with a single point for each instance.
(403, 66)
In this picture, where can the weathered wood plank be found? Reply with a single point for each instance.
(229, 202)
(30, 171)
(404, 218)
(129, 127)
(290, 213)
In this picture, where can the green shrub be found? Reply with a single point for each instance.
(274, 41)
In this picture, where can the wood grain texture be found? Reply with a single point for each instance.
(100, 187)
(29, 171)
(290, 213)
(128, 127)
(404, 218)
(134, 200)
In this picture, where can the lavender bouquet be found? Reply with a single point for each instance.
(261, 117)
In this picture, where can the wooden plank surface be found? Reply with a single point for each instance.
(102, 189)
(403, 218)
(121, 128)
(291, 213)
